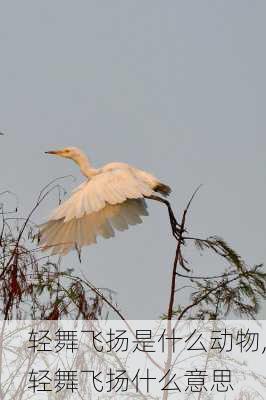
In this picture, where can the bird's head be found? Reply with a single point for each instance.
(80, 158)
(68, 152)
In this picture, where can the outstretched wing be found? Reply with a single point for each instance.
(112, 199)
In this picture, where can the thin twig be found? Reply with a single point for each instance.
(173, 288)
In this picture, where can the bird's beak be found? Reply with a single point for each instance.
(56, 152)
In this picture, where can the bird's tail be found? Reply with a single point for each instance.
(160, 187)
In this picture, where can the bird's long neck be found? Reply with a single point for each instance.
(85, 166)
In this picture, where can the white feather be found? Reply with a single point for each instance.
(111, 198)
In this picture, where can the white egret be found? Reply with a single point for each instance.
(112, 197)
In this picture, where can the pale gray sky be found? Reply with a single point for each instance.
(176, 88)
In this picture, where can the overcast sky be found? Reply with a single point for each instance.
(173, 87)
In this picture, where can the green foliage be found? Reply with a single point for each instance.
(221, 248)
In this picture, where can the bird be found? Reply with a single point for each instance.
(111, 198)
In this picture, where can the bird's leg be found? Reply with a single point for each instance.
(174, 224)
